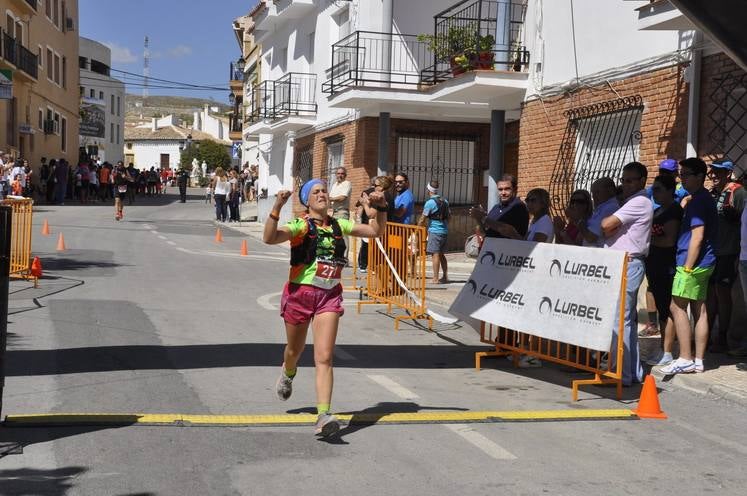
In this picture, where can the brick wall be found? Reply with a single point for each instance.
(663, 123)
(361, 137)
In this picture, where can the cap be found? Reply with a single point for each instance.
(723, 164)
(669, 164)
(306, 190)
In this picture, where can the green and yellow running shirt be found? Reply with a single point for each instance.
(313, 274)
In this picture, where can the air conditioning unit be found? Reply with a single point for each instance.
(51, 127)
(70, 24)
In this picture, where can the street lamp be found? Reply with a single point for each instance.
(240, 64)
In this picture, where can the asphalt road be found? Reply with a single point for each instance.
(150, 315)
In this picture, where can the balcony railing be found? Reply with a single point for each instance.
(32, 3)
(28, 61)
(293, 94)
(18, 55)
(234, 73)
(10, 52)
(368, 58)
(482, 26)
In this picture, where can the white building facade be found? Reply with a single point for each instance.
(352, 84)
(102, 100)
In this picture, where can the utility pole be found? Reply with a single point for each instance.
(146, 69)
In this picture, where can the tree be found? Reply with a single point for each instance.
(212, 153)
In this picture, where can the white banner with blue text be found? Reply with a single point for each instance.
(564, 293)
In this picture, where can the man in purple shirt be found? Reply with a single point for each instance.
(629, 230)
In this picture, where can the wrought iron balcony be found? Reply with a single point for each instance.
(368, 58)
(471, 35)
(32, 3)
(28, 61)
(293, 94)
(18, 55)
(10, 52)
(235, 74)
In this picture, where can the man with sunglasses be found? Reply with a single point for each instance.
(404, 202)
(730, 198)
(696, 258)
(629, 230)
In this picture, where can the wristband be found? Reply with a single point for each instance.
(274, 216)
(687, 270)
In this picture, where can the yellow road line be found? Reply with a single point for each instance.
(64, 419)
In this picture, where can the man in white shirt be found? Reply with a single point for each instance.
(20, 172)
(339, 197)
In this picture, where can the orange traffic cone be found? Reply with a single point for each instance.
(648, 404)
(45, 228)
(36, 268)
(244, 249)
(61, 243)
(218, 236)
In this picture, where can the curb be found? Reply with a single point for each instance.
(700, 386)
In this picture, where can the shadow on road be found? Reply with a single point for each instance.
(30, 481)
(155, 357)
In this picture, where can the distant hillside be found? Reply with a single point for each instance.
(183, 107)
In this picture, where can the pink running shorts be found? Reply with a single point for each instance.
(301, 302)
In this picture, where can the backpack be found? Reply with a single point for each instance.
(442, 212)
(305, 253)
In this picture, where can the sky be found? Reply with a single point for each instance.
(191, 41)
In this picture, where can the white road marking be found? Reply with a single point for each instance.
(154, 231)
(475, 438)
(171, 243)
(264, 301)
(147, 226)
(161, 236)
(393, 387)
(343, 355)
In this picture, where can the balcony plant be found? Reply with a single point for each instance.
(463, 47)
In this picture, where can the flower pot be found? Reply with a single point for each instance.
(485, 61)
(456, 67)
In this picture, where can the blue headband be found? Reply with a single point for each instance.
(306, 190)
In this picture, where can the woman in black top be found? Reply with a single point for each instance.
(660, 263)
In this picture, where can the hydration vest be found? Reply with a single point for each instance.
(442, 213)
(305, 253)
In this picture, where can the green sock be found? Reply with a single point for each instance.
(322, 408)
(290, 374)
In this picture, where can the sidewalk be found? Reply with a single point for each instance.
(722, 379)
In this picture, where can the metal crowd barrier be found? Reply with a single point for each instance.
(351, 281)
(396, 272)
(515, 343)
(20, 247)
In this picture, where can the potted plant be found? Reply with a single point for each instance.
(485, 55)
(454, 46)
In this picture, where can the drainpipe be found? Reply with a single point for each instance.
(495, 159)
(693, 104)
(387, 21)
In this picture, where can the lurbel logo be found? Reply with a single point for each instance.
(545, 305)
(570, 310)
(511, 298)
(513, 262)
(579, 270)
(488, 257)
(472, 286)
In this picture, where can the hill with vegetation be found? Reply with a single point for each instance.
(138, 109)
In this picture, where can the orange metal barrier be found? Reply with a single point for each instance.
(351, 281)
(510, 342)
(20, 239)
(396, 274)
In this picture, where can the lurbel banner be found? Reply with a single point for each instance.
(564, 293)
